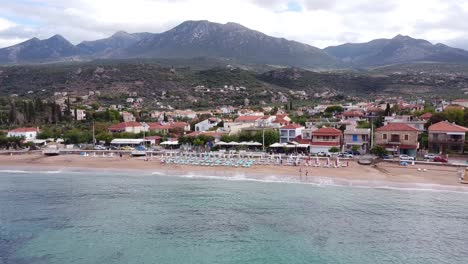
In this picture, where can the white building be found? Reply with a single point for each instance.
(80, 114)
(207, 124)
(29, 133)
(128, 117)
(290, 132)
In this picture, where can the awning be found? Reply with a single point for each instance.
(127, 141)
(170, 143)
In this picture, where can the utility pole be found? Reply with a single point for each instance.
(94, 135)
(263, 138)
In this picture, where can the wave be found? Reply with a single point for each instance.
(330, 182)
(30, 172)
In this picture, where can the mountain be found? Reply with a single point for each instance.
(104, 47)
(35, 50)
(400, 49)
(232, 41)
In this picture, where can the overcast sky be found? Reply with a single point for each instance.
(317, 22)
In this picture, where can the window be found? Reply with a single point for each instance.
(384, 136)
(355, 137)
(406, 137)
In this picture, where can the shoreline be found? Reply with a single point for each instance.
(383, 175)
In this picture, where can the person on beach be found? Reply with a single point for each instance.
(300, 172)
(307, 172)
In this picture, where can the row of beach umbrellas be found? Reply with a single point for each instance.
(251, 143)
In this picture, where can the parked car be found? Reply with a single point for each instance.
(430, 156)
(387, 157)
(354, 153)
(346, 155)
(440, 159)
(324, 154)
(406, 157)
(126, 148)
(140, 148)
(99, 147)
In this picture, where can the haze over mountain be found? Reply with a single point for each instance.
(234, 43)
(400, 49)
(34, 50)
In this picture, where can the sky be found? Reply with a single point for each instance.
(320, 23)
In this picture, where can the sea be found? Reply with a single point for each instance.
(134, 217)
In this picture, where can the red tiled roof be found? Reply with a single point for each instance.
(179, 124)
(247, 118)
(158, 126)
(123, 125)
(374, 109)
(445, 126)
(454, 107)
(426, 116)
(396, 127)
(300, 140)
(353, 114)
(460, 101)
(292, 126)
(327, 131)
(24, 130)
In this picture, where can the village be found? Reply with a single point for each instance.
(386, 127)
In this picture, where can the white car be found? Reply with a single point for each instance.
(99, 147)
(406, 157)
(430, 156)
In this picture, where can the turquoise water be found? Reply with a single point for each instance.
(104, 218)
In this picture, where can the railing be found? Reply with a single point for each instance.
(445, 141)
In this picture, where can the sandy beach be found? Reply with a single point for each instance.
(382, 174)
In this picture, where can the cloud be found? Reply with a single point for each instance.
(316, 22)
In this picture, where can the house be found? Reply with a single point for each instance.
(207, 124)
(323, 139)
(282, 120)
(181, 125)
(28, 133)
(408, 120)
(447, 137)
(159, 127)
(290, 132)
(248, 119)
(128, 117)
(462, 102)
(353, 116)
(129, 127)
(398, 138)
(185, 114)
(359, 137)
(79, 114)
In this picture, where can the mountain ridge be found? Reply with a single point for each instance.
(400, 49)
(232, 42)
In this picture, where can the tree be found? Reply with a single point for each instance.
(334, 109)
(198, 142)
(290, 105)
(165, 119)
(379, 151)
(342, 127)
(387, 112)
(334, 150)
